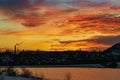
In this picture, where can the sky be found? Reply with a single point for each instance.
(59, 24)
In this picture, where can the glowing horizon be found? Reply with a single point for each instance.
(59, 24)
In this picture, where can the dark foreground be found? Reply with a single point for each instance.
(59, 59)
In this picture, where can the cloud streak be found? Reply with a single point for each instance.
(107, 40)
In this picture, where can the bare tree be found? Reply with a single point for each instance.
(1, 69)
(11, 71)
(26, 73)
(68, 76)
(42, 77)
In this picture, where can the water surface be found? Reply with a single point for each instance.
(78, 73)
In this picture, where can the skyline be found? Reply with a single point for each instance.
(59, 24)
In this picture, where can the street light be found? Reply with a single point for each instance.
(15, 47)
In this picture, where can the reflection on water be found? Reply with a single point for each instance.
(78, 73)
(75, 73)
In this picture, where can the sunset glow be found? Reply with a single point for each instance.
(59, 24)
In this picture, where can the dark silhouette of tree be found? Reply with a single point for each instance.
(29, 58)
(112, 65)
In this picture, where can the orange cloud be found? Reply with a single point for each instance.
(76, 23)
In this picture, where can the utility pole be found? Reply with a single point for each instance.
(15, 49)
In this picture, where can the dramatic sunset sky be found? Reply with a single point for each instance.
(59, 24)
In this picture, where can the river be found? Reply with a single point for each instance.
(78, 73)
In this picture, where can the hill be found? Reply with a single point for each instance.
(114, 50)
